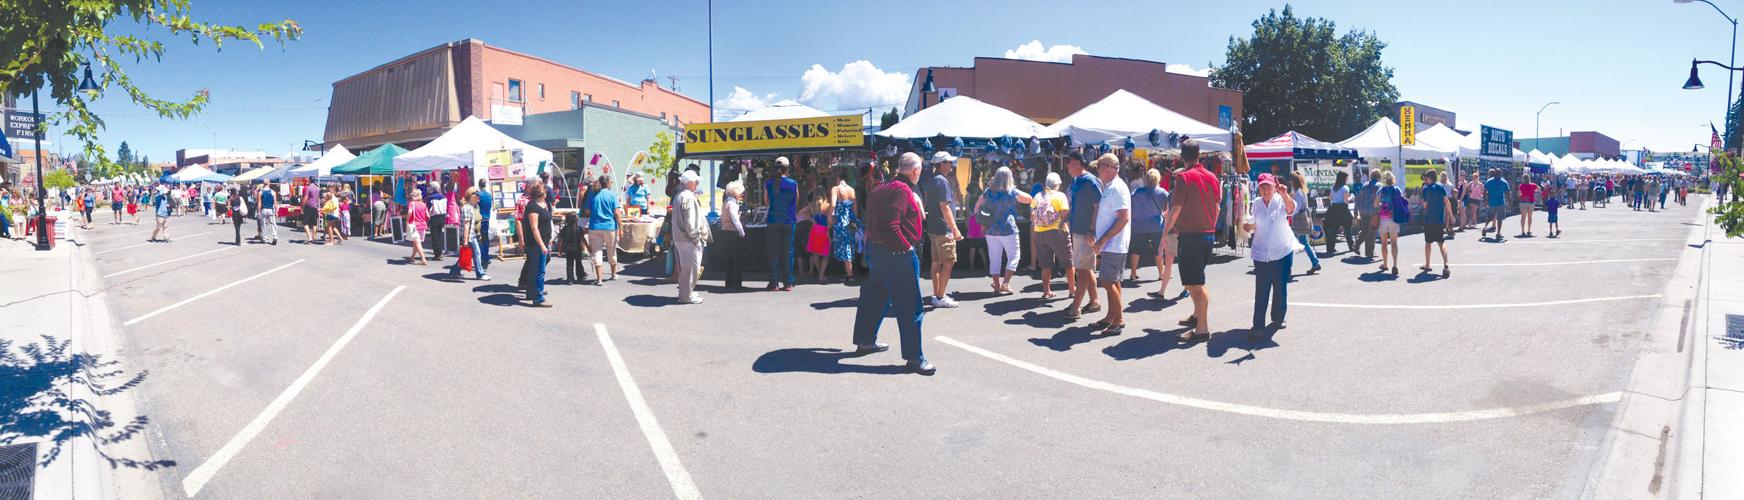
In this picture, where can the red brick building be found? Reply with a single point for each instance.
(415, 98)
(1048, 91)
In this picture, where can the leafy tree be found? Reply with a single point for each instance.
(661, 157)
(890, 118)
(1299, 74)
(124, 154)
(1732, 122)
(49, 42)
(1729, 214)
(58, 179)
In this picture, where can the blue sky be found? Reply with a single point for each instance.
(1616, 65)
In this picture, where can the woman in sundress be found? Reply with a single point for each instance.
(843, 227)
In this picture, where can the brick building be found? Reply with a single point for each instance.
(1584, 145)
(413, 99)
(1048, 91)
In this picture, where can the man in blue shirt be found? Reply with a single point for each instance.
(161, 206)
(781, 194)
(602, 230)
(487, 209)
(941, 226)
(1496, 191)
(1365, 214)
(1084, 196)
(1436, 213)
(266, 218)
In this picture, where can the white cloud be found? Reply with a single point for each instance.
(740, 101)
(1185, 69)
(1034, 51)
(859, 84)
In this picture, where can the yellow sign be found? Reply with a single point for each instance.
(845, 131)
(1407, 125)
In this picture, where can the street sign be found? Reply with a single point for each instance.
(1407, 125)
(21, 124)
(1498, 144)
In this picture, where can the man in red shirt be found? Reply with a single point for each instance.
(893, 216)
(1193, 219)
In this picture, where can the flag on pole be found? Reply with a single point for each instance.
(1714, 141)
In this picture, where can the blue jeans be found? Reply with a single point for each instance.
(482, 253)
(536, 278)
(778, 247)
(893, 279)
(1271, 280)
(1313, 260)
(477, 264)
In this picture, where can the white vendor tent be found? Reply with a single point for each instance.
(466, 145)
(786, 109)
(1537, 157)
(192, 173)
(1381, 140)
(1440, 137)
(965, 117)
(252, 174)
(323, 166)
(1123, 115)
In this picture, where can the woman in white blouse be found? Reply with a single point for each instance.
(733, 243)
(1273, 243)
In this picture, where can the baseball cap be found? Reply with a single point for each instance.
(942, 156)
(1267, 179)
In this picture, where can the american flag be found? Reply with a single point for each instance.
(1714, 141)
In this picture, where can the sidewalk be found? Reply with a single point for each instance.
(56, 294)
(1719, 386)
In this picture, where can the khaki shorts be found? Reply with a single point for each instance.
(604, 245)
(1171, 245)
(1053, 250)
(944, 249)
(1083, 257)
(1389, 228)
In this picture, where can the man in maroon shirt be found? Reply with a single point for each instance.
(1193, 218)
(893, 215)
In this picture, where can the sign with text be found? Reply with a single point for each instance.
(21, 124)
(1498, 144)
(844, 131)
(1407, 125)
(1225, 117)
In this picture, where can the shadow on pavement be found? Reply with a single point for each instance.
(1148, 303)
(818, 360)
(1377, 276)
(1154, 342)
(443, 277)
(1243, 339)
(1014, 305)
(36, 403)
(1066, 339)
(1047, 320)
(836, 304)
(646, 300)
(1424, 277)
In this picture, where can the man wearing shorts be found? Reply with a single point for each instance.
(602, 230)
(311, 211)
(1113, 218)
(161, 206)
(1497, 191)
(1436, 213)
(1083, 196)
(117, 200)
(1193, 218)
(941, 226)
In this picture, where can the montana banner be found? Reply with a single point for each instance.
(844, 131)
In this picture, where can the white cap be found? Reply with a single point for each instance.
(781, 160)
(688, 177)
(942, 157)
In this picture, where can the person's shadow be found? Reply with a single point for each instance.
(498, 295)
(1066, 339)
(651, 300)
(1377, 276)
(1152, 343)
(819, 360)
(1243, 339)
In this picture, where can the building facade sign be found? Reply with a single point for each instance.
(844, 131)
(21, 124)
(1497, 143)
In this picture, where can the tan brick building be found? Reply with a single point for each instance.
(1048, 91)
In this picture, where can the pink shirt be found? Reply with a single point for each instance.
(419, 214)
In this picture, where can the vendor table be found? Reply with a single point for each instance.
(637, 237)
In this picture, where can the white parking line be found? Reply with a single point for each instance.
(208, 293)
(1560, 263)
(1306, 416)
(1518, 242)
(676, 475)
(200, 475)
(144, 244)
(149, 266)
(1470, 306)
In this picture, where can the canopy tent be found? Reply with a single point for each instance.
(467, 145)
(1537, 157)
(786, 109)
(965, 117)
(1292, 145)
(1381, 140)
(197, 173)
(1472, 146)
(1125, 115)
(378, 161)
(323, 166)
(1440, 137)
(254, 175)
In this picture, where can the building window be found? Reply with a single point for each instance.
(574, 100)
(515, 94)
(615, 104)
(587, 98)
(662, 116)
(541, 91)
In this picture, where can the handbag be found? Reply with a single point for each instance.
(465, 258)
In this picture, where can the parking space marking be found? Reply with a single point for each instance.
(149, 266)
(1561, 263)
(1305, 416)
(197, 479)
(144, 244)
(1470, 306)
(190, 300)
(676, 475)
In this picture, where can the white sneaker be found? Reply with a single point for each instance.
(944, 302)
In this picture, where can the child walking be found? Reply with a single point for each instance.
(570, 242)
(1551, 206)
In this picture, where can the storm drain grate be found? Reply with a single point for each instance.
(1733, 338)
(17, 471)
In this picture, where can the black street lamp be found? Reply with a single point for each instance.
(86, 84)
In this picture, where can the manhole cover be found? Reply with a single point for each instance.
(17, 471)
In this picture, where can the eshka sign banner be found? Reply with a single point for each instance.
(843, 131)
(1498, 144)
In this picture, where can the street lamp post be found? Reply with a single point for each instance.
(1731, 61)
(86, 84)
(1537, 140)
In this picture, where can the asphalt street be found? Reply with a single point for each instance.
(308, 371)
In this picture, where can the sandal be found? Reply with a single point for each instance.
(1100, 325)
(1093, 307)
(1071, 313)
(1191, 337)
(1445, 273)
(1114, 330)
(1190, 321)
(1158, 295)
